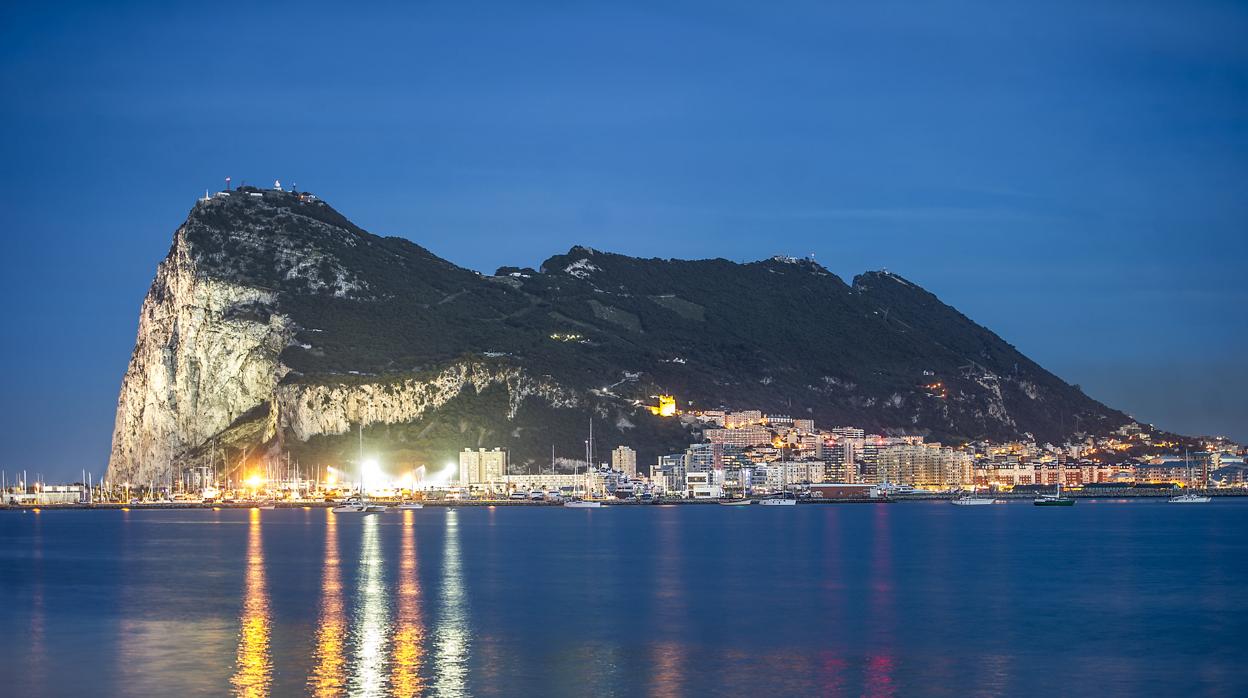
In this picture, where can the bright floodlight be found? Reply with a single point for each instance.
(370, 472)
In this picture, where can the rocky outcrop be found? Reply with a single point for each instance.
(276, 325)
(307, 410)
(207, 352)
(212, 335)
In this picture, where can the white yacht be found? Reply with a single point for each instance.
(786, 499)
(971, 500)
(1190, 497)
(405, 506)
(582, 504)
(356, 505)
(351, 507)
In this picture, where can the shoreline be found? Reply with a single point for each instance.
(1002, 498)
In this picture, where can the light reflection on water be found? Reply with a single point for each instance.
(409, 632)
(667, 655)
(881, 600)
(880, 663)
(331, 629)
(253, 667)
(37, 667)
(371, 625)
(451, 635)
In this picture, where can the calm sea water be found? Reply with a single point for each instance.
(1118, 598)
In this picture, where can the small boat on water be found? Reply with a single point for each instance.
(971, 500)
(736, 502)
(356, 508)
(406, 506)
(1054, 500)
(786, 498)
(582, 504)
(1190, 497)
(355, 505)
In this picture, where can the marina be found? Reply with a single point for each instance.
(396, 506)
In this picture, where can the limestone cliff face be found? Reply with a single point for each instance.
(215, 330)
(206, 353)
(305, 410)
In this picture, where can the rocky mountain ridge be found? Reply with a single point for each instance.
(276, 325)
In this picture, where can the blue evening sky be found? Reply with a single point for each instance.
(1072, 175)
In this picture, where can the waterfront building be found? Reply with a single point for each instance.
(544, 482)
(708, 484)
(668, 475)
(624, 459)
(738, 479)
(1206, 462)
(703, 457)
(866, 458)
(40, 494)
(838, 461)
(928, 466)
(482, 467)
(791, 473)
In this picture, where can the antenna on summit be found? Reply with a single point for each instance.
(227, 183)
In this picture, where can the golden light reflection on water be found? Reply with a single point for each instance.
(331, 628)
(881, 665)
(254, 667)
(668, 656)
(451, 634)
(409, 634)
(36, 668)
(371, 625)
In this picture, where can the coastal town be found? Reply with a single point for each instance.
(742, 455)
